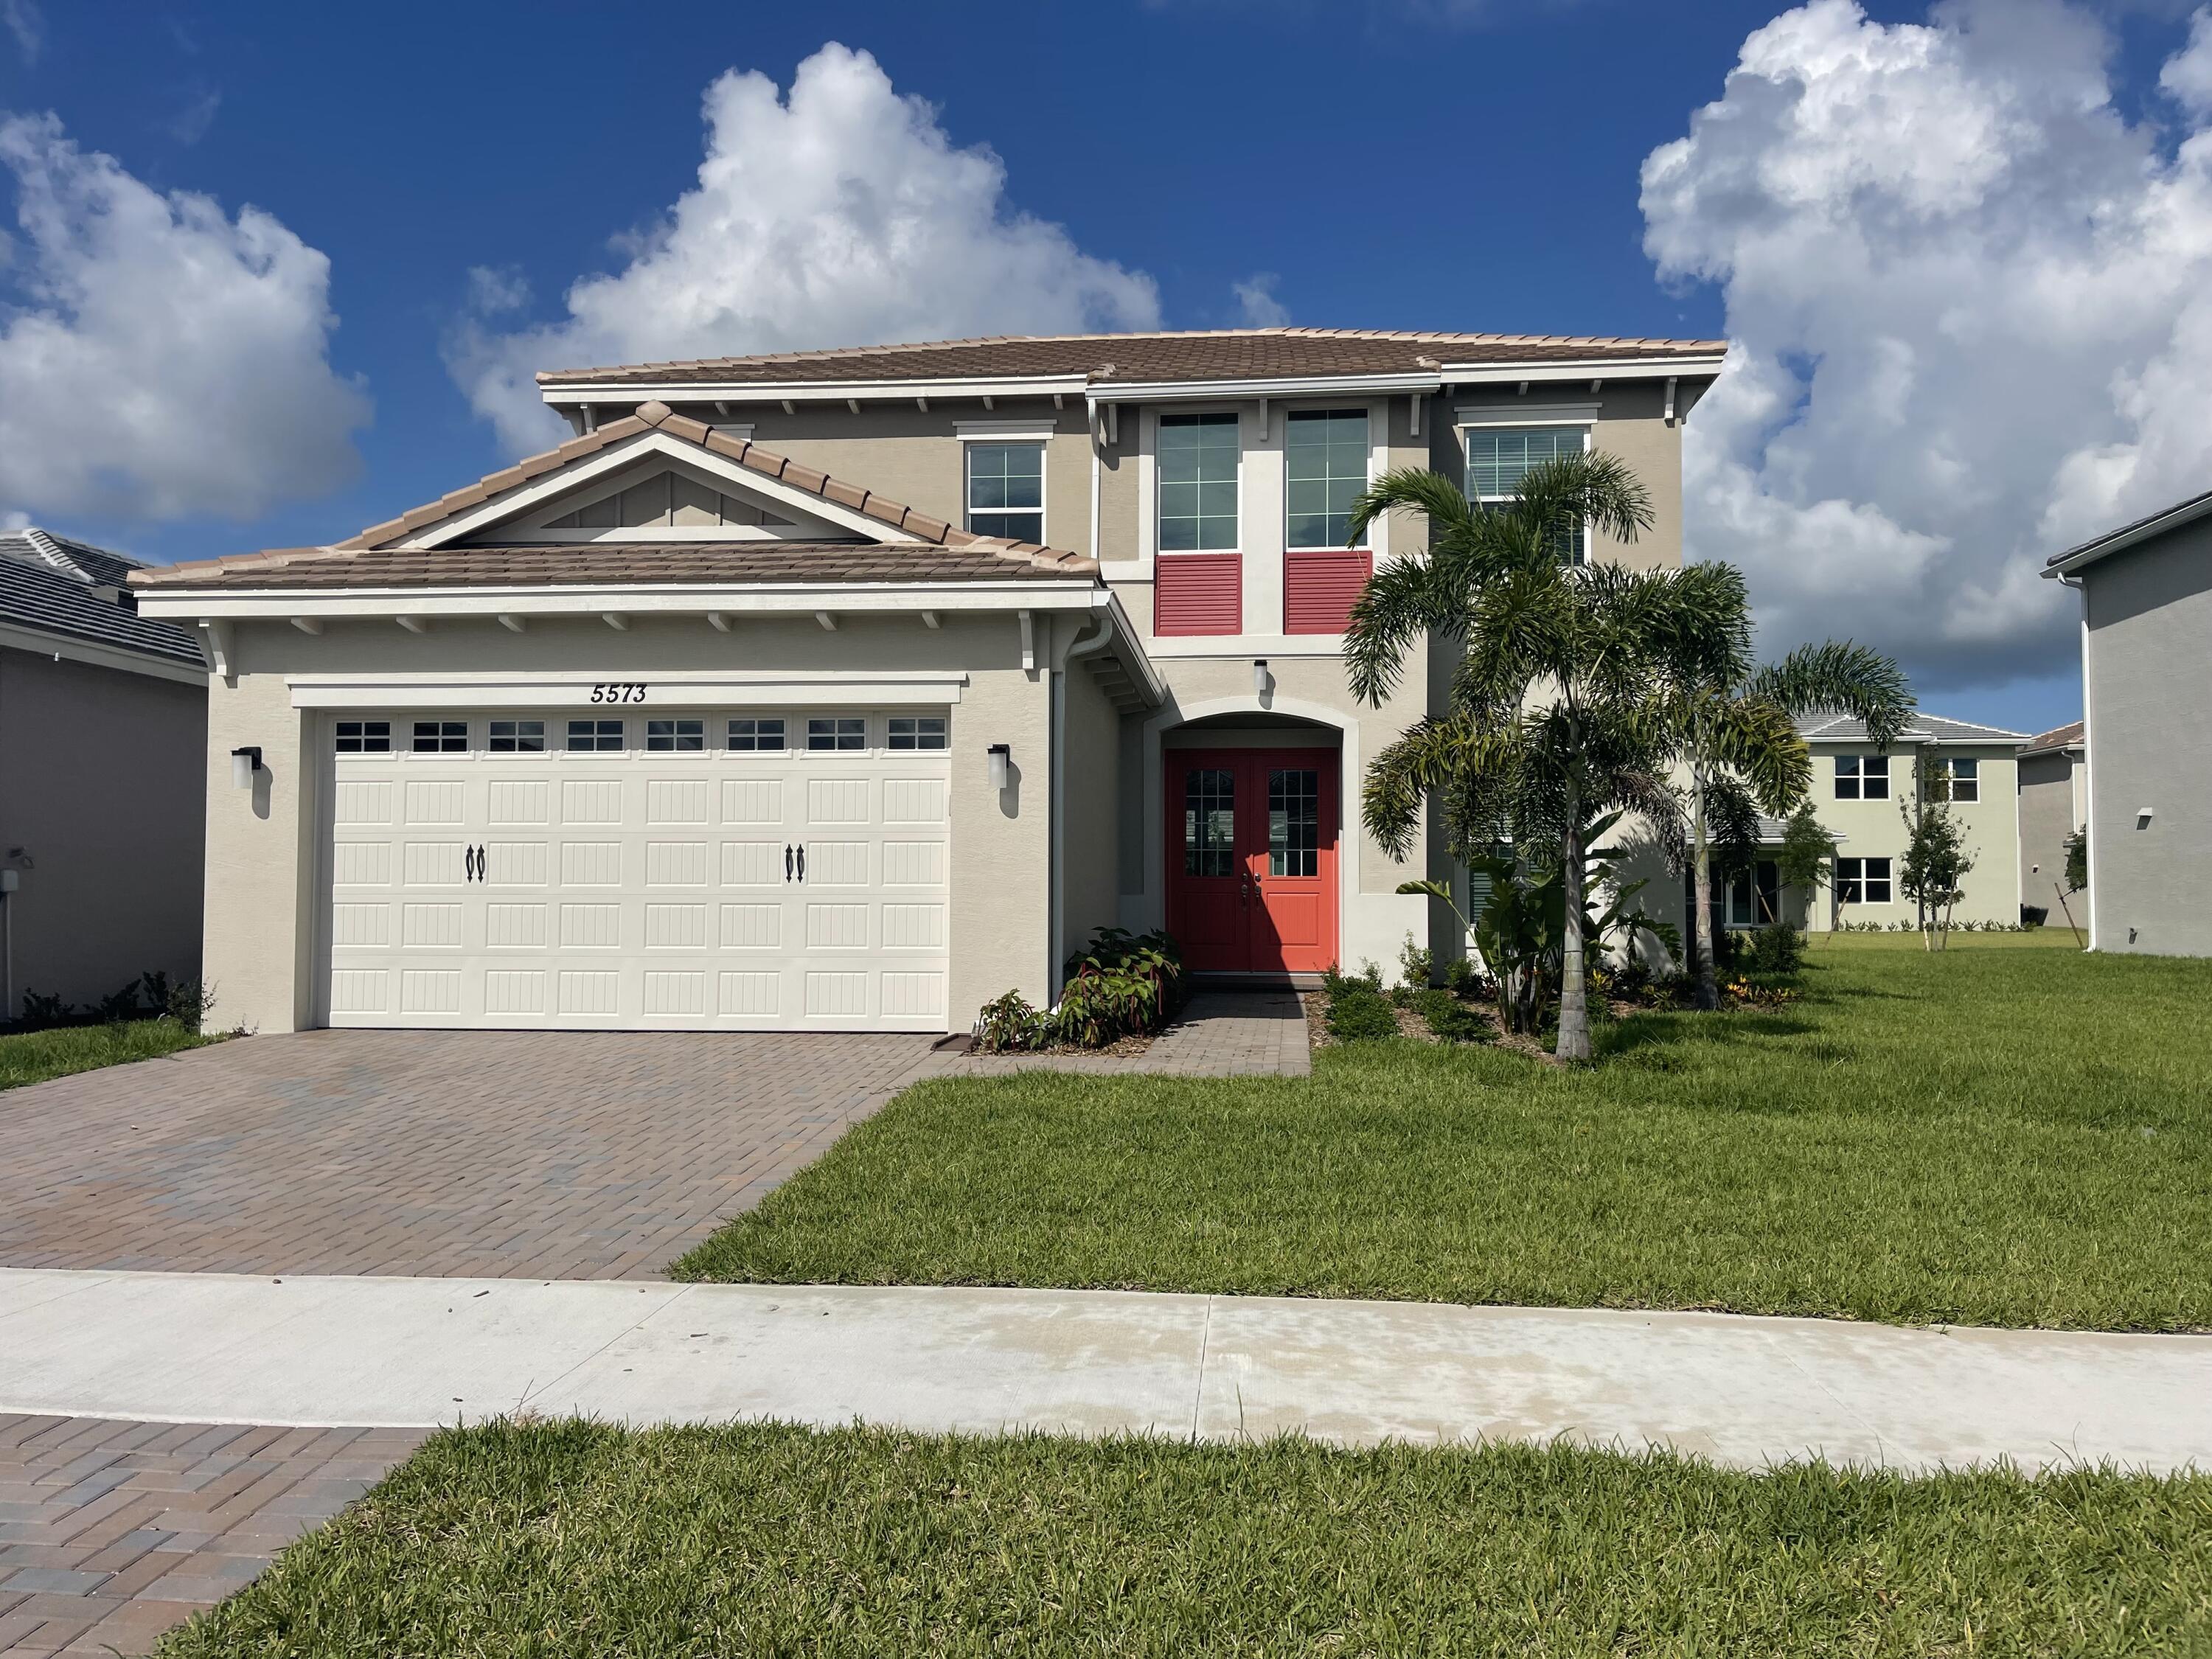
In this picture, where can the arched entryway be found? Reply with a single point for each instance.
(1252, 841)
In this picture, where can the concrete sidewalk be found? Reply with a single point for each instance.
(402, 1353)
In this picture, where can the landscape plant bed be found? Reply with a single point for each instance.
(577, 1539)
(1991, 1136)
(27, 1057)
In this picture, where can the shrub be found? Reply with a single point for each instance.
(1417, 965)
(1464, 979)
(1451, 1019)
(1777, 948)
(1361, 1012)
(1009, 1025)
(1121, 984)
(40, 1009)
(188, 1001)
(2033, 915)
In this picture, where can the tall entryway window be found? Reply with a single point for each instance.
(1251, 853)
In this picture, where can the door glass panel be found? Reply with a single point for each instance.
(1209, 823)
(1293, 823)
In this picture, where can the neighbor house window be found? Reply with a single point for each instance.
(837, 731)
(1862, 881)
(757, 736)
(665, 737)
(1198, 456)
(1324, 470)
(1500, 457)
(595, 736)
(441, 737)
(1958, 780)
(1006, 490)
(917, 731)
(517, 737)
(363, 738)
(1862, 777)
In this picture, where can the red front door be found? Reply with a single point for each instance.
(1251, 854)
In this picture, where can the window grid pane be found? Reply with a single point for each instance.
(1006, 490)
(671, 735)
(842, 732)
(1325, 470)
(595, 736)
(441, 737)
(757, 736)
(1498, 457)
(517, 737)
(917, 731)
(1293, 823)
(362, 738)
(1198, 456)
(1209, 824)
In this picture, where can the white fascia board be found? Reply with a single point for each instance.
(2120, 541)
(794, 600)
(854, 689)
(810, 392)
(562, 480)
(1160, 392)
(1608, 368)
(1153, 688)
(95, 655)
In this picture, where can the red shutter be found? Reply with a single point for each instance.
(1198, 593)
(1319, 589)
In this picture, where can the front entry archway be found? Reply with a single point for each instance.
(1251, 849)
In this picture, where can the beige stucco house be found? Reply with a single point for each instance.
(2147, 728)
(103, 721)
(1857, 789)
(2054, 804)
(848, 690)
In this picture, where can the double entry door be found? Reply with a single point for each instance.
(1251, 856)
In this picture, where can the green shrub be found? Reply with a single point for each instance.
(1009, 1025)
(1451, 1019)
(1360, 1012)
(1777, 948)
(1416, 965)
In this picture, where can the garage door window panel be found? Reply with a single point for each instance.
(595, 736)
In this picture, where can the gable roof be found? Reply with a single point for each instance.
(1919, 728)
(2127, 535)
(382, 556)
(56, 584)
(2058, 737)
(1231, 354)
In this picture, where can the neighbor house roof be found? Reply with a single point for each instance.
(1919, 728)
(2119, 541)
(54, 585)
(1198, 355)
(378, 555)
(2058, 738)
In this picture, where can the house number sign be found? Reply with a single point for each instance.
(613, 691)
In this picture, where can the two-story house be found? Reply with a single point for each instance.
(850, 689)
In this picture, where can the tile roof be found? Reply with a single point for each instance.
(54, 585)
(574, 564)
(1919, 728)
(1197, 355)
(348, 563)
(2114, 541)
(2058, 736)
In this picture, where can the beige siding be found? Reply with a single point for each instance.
(2150, 612)
(100, 788)
(1091, 789)
(2052, 802)
(1875, 828)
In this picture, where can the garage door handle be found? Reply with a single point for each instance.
(468, 864)
(802, 864)
(786, 860)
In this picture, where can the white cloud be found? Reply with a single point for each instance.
(2187, 75)
(841, 215)
(1971, 314)
(1256, 302)
(158, 359)
(28, 26)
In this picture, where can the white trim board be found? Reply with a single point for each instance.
(681, 689)
(95, 655)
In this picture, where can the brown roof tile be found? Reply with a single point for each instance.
(2059, 737)
(1197, 355)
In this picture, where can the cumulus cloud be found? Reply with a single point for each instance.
(1256, 302)
(1971, 309)
(159, 359)
(2187, 75)
(841, 215)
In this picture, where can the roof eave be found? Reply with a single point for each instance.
(1075, 590)
(2120, 541)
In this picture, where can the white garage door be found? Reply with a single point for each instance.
(686, 869)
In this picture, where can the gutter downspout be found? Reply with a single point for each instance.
(1056, 877)
(2088, 765)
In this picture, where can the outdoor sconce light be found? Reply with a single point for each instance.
(1002, 765)
(1261, 680)
(244, 763)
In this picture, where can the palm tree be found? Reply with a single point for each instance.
(1552, 718)
(1735, 722)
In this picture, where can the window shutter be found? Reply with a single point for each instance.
(1199, 594)
(1319, 589)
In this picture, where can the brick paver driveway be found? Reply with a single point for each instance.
(570, 1154)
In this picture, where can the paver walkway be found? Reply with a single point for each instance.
(113, 1531)
(539, 1155)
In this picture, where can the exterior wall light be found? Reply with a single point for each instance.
(1002, 765)
(244, 763)
(1262, 679)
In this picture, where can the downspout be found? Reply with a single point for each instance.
(1056, 878)
(2080, 586)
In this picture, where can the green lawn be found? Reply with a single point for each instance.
(574, 1539)
(2012, 1133)
(34, 1057)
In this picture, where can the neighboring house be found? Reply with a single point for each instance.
(2147, 728)
(2054, 803)
(103, 722)
(849, 689)
(1856, 795)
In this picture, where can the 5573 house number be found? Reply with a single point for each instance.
(618, 692)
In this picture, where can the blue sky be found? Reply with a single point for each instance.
(1418, 163)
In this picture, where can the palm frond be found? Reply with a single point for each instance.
(1840, 677)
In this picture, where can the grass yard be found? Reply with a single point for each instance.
(574, 1539)
(34, 1057)
(2009, 1133)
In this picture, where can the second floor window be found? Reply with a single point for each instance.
(1006, 490)
(1862, 777)
(1500, 457)
(1957, 780)
(1324, 470)
(1198, 484)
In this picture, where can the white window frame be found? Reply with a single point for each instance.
(1489, 417)
(674, 745)
(1005, 434)
(1366, 413)
(1888, 880)
(519, 737)
(1860, 776)
(1947, 770)
(864, 746)
(569, 721)
(943, 735)
(1235, 418)
(782, 750)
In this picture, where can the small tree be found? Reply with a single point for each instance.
(1935, 861)
(2078, 861)
(1806, 856)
